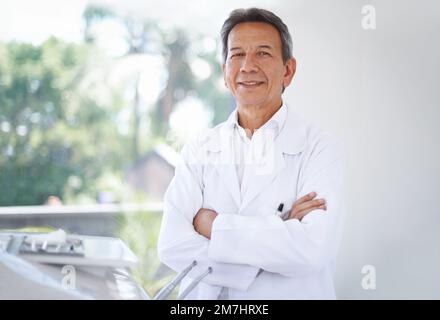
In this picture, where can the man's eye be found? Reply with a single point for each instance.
(263, 53)
(237, 55)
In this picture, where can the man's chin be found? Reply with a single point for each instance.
(249, 100)
(250, 104)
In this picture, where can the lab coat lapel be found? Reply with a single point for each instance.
(222, 145)
(264, 173)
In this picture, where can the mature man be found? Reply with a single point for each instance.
(258, 199)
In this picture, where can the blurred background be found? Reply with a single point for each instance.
(98, 97)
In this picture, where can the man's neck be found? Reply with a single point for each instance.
(252, 118)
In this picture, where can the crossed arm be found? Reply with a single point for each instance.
(204, 218)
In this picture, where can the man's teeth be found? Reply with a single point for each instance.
(251, 83)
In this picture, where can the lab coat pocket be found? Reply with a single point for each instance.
(277, 197)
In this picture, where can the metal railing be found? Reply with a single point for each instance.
(95, 219)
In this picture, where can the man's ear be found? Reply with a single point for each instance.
(290, 71)
(224, 75)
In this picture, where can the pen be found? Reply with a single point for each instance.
(280, 207)
(280, 212)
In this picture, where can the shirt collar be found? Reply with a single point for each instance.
(275, 122)
(292, 136)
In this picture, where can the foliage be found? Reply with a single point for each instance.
(140, 232)
(51, 132)
(60, 115)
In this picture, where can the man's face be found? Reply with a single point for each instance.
(254, 71)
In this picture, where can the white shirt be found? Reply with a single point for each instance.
(249, 150)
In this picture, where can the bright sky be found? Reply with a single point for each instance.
(36, 20)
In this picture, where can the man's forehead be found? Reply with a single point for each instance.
(254, 33)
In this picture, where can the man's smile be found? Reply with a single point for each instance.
(250, 84)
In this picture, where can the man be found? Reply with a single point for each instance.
(258, 199)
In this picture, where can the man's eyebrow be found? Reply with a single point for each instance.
(262, 46)
(265, 46)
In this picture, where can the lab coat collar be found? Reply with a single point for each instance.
(291, 139)
(293, 136)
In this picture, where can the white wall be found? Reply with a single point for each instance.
(378, 90)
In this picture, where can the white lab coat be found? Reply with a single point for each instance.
(298, 257)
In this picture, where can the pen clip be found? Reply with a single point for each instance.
(280, 212)
(280, 207)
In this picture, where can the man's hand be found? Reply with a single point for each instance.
(203, 221)
(304, 205)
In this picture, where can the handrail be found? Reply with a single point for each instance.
(81, 209)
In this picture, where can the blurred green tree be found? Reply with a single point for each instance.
(137, 38)
(61, 117)
(53, 136)
(145, 37)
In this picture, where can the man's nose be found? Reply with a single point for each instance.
(249, 65)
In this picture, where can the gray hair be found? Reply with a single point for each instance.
(256, 15)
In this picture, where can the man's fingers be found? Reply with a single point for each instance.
(301, 214)
(309, 204)
(305, 198)
(305, 204)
